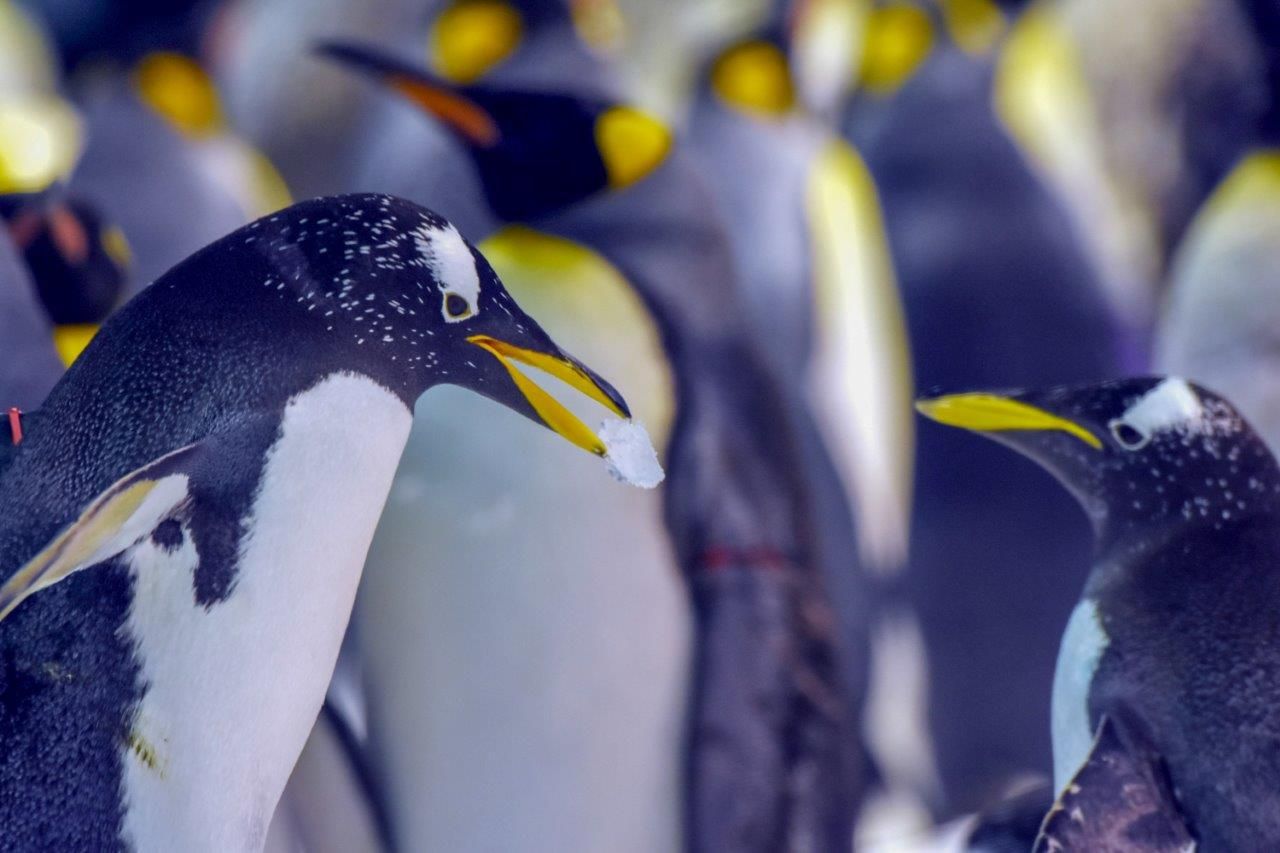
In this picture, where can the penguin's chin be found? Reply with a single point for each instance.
(547, 408)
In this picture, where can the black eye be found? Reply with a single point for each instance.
(455, 306)
(1128, 436)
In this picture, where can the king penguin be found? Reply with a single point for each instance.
(186, 518)
(1165, 729)
(609, 178)
(997, 290)
(1220, 316)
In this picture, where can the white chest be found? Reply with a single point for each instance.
(1083, 643)
(233, 690)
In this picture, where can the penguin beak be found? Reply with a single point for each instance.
(462, 114)
(70, 339)
(993, 413)
(569, 371)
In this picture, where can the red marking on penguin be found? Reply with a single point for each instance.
(15, 424)
(716, 559)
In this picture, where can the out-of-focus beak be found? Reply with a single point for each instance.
(70, 339)
(441, 100)
(569, 371)
(993, 413)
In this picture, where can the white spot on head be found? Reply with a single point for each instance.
(450, 260)
(1171, 405)
(630, 454)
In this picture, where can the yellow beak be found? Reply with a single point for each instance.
(991, 413)
(71, 339)
(550, 410)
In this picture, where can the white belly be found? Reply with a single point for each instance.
(1083, 643)
(234, 689)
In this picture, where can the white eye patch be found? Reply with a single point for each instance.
(450, 260)
(1170, 405)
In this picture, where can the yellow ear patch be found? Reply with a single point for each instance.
(116, 246)
(177, 88)
(992, 413)
(40, 141)
(631, 143)
(754, 77)
(472, 36)
(898, 39)
(599, 23)
(71, 339)
(975, 25)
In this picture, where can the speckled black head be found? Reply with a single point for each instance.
(535, 152)
(1137, 453)
(79, 262)
(369, 284)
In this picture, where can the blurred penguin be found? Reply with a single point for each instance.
(1222, 316)
(763, 633)
(75, 263)
(29, 364)
(161, 161)
(997, 289)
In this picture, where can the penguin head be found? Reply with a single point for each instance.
(1132, 451)
(79, 262)
(535, 152)
(382, 286)
(753, 76)
(471, 38)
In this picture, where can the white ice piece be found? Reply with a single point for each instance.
(630, 454)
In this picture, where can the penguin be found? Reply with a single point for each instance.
(161, 161)
(79, 263)
(1216, 327)
(29, 363)
(997, 290)
(1164, 725)
(762, 628)
(186, 517)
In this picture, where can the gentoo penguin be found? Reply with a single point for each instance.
(738, 509)
(997, 290)
(1165, 729)
(185, 519)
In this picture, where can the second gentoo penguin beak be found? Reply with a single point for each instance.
(983, 412)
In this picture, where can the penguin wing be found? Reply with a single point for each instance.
(1120, 800)
(114, 521)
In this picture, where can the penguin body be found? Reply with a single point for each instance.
(1165, 681)
(181, 629)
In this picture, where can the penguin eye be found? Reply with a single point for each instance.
(1128, 436)
(456, 307)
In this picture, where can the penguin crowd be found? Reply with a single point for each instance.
(782, 282)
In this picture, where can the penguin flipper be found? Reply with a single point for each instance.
(115, 520)
(1119, 800)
